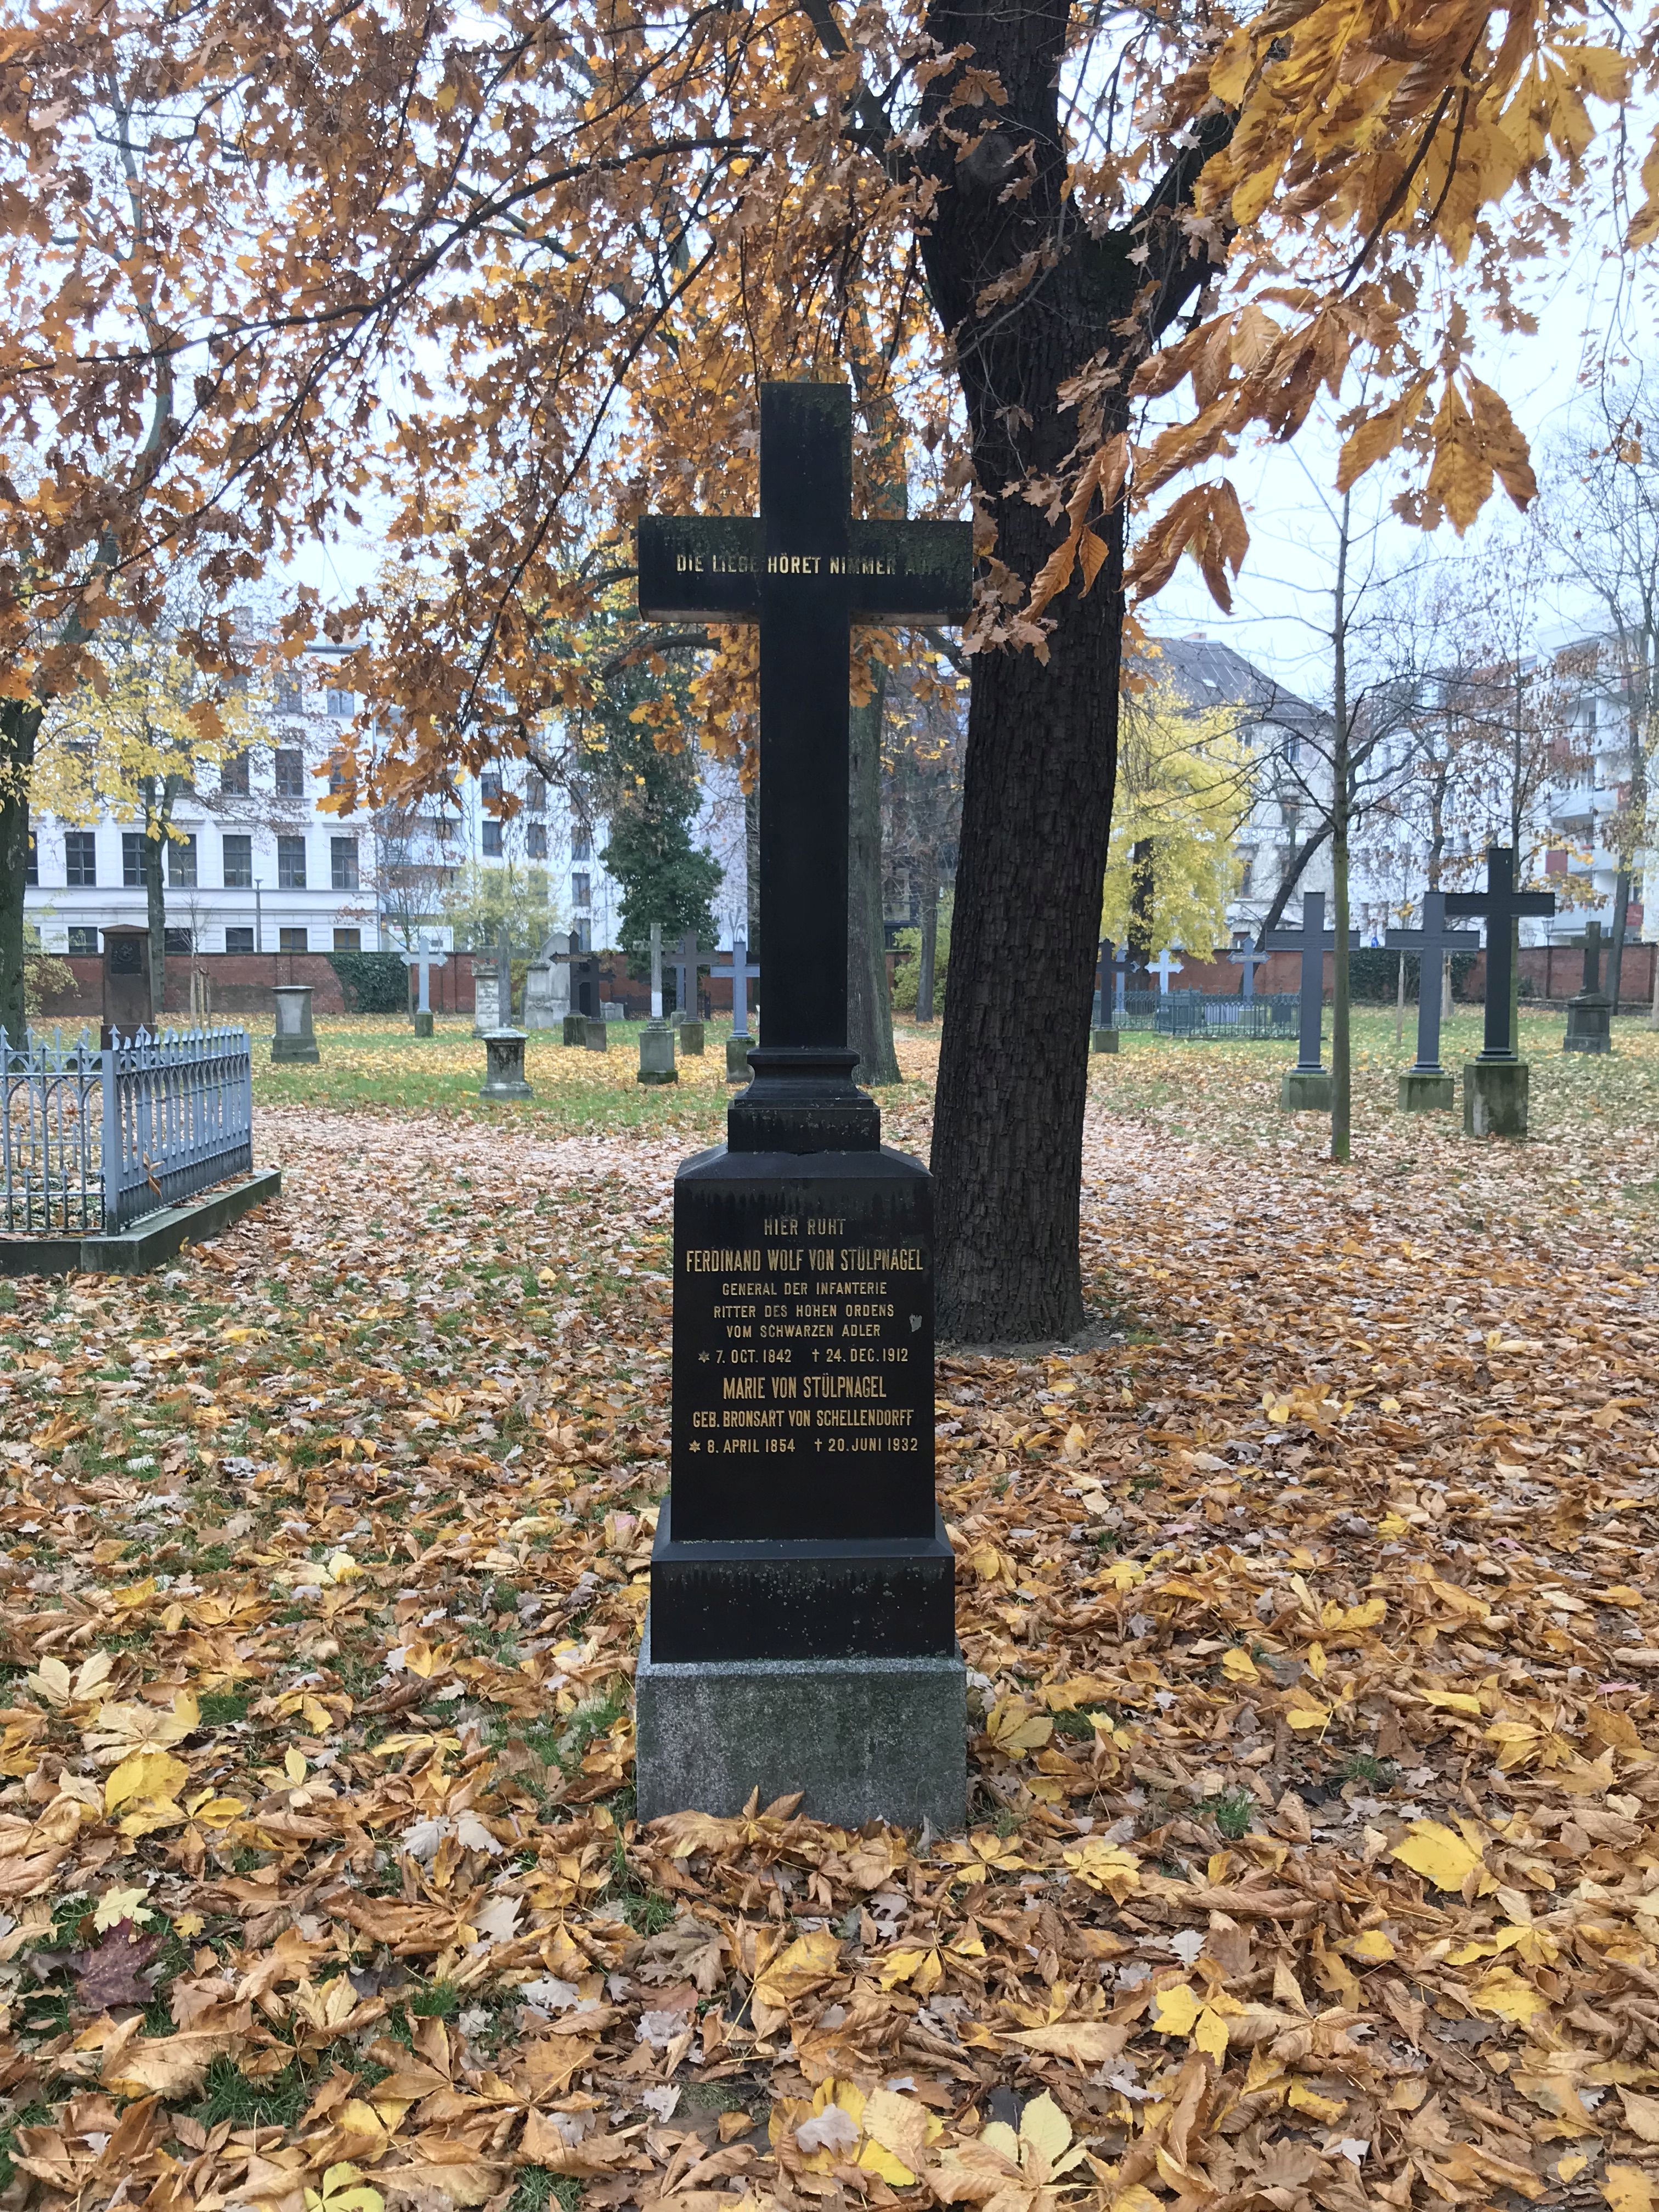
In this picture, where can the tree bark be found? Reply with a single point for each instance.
(1341, 771)
(20, 724)
(1041, 751)
(928, 955)
(869, 1000)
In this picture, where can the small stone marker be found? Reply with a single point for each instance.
(800, 1634)
(1249, 957)
(129, 1004)
(656, 1038)
(1495, 1085)
(504, 1076)
(1113, 964)
(1427, 1087)
(295, 1039)
(739, 966)
(1590, 1010)
(1307, 1086)
(423, 963)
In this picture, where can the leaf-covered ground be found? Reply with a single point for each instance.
(1314, 1856)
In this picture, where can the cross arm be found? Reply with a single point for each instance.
(700, 568)
(1449, 940)
(911, 571)
(1294, 940)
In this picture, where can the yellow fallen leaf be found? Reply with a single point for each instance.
(1373, 1946)
(1137, 2199)
(1627, 2189)
(1438, 1853)
(1327, 2109)
(1085, 2042)
(1571, 2165)
(1641, 2115)
(294, 1764)
(1175, 2010)
(1013, 1725)
(1210, 2036)
(1509, 1995)
(1105, 1866)
(1238, 1666)
(147, 1774)
(117, 1904)
(1305, 1712)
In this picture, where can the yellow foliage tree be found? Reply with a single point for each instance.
(128, 742)
(1183, 788)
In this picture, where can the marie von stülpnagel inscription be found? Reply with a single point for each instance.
(801, 1631)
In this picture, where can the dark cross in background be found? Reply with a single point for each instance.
(1432, 943)
(1112, 966)
(1592, 957)
(806, 570)
(584, 975)
(1249, 957)
(1313, 941)
(682, 964)
(503, 979)
(1501, 906)
(741, 969)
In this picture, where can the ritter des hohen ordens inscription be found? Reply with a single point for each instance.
(801, 1582)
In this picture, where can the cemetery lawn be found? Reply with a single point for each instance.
(1314, 1848)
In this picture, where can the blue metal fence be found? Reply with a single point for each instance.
(1202, 1014)
(93, 1140)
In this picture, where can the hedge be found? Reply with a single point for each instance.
(371, 982)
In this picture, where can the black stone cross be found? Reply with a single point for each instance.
(682, 964)
(1592, 957)
(584, 975)
(1502, 905)
(1313, 941)
(1431, 943)
(806, 570)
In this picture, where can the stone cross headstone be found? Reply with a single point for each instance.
(546, 992)
(1163, 967)
(740, 968)
(129, 1002)
(800, 1633)
(1108, 979)
(656, 1038)
(1249, 957)
(503, 981)
(1496, 1084)
(423, 961)
(1589, 1012)
(584, 995)
(1427, 1085)
(656, 971)
(1307, 1085)
(684, 963)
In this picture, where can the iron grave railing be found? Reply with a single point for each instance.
(1204, 1014)
(95, 1140)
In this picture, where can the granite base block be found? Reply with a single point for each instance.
(1305, 1091)
(1102, 1040)
(1495, 1098)
(423, 1023)
(596, 1033)
(865, 1739)
(295, 1052)
(692, 1035)
(1425, 1092)
(738, 1049)
(575, 1028)
(1589, 1023)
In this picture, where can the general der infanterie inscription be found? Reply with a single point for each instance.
(801, 1628)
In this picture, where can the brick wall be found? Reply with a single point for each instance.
(241, 983)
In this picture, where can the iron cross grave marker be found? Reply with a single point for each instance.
(1501, 906)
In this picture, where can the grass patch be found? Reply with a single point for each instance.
(438, 2001)
(220, 1707)
(1366, 1766)
(538, 2189)
(1233, 1813)
(276, 2100)
(29, 2116)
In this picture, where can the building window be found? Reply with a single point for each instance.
(291, 772)
(582, 845)
(348, 940)
(182, 862)
(440, 829)
(343, 863)
(492, 840)
(291, 864)
(584, 934)
(133, 843)
(580, 890)
(239, 940)
(178, 940)
(239, 862)
(81, 860)
(535, 792)
(233, 776)
(342, 703)
(1291, 751)
(84, 943)
(535, 840)
(291, 940)
(489, 789)
(290, 697)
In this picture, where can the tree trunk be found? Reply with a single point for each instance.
(1621, 923)
(869, 1000)
(19, 723)
(1041, 754)
(929, 953)
(1341, 1055)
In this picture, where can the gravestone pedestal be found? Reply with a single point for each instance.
(1495, 1098)
(738, 1049)
(1305, 1091)
(1423, 1090)
(423, 1021)
(1589, 1023)
(596, 1033)
(504, 1076)
(657, 1054)
(295, 1039)
(1102, 1040)
(691, 1034)
(575, 1028)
